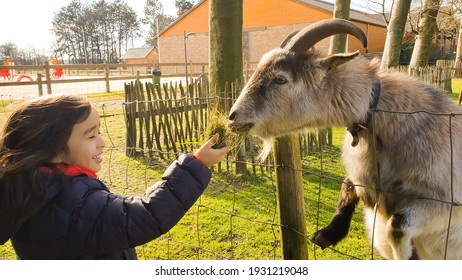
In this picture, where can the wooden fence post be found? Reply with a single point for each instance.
(106, 76)
(46, 65)
(130, 118)
(39, 84)
(290, 197)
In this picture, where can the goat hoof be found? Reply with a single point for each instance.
(321, 239)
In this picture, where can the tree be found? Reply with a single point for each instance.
(225, 65)
(338, 42)
(458, 60)
(395, 34)
(156, 19)
(337, 45)
(94, 33)
(8, 50)
(183, 6)
(426, 31)
(225, 46)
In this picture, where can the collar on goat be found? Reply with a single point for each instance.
(357, 127)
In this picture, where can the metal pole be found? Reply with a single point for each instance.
(186, 61)
(186, 36)
(158, 42)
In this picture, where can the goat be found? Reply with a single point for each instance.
(400, 157)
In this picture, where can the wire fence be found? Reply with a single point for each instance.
(237, 216)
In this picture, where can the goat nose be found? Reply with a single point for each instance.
(232, 116)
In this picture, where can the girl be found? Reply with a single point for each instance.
(52, 206)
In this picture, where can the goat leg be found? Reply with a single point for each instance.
(340, 224)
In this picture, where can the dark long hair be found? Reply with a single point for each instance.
(35, 133)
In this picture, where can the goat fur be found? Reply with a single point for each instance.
(407, 167)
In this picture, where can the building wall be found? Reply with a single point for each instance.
(266, 23)
(152, 58)
(172, 48)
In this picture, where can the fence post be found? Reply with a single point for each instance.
(46, 65)
(39, 84)
(106, 76)
(290, 197)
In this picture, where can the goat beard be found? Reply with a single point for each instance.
(266, 150)
(268, 142)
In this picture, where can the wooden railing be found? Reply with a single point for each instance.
(42, 75)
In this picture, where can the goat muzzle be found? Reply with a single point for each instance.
(234, 126)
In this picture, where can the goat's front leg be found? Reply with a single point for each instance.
(415, 223)
(400, 231)
(340, 224)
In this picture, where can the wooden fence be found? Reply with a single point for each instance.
(42, 75)
(165, 120)
(440, 76)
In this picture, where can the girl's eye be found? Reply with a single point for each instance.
(94, 135)
(280, 80)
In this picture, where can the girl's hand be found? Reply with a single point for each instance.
(209, 156)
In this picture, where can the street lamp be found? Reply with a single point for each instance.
(186, 36)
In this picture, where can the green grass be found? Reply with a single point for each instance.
(456, 86)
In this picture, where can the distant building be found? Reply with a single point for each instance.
(266, 23)
(141, 56)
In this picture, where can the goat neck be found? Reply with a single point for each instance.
(357, 127)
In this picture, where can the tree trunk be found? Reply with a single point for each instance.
(338, 43)
(458, 62)
(225, 63)
(395, 34)
(427, 28)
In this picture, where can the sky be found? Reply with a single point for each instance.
(27, 23)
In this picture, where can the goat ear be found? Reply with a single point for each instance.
(335, 60)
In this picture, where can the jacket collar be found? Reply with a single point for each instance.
(69, 170)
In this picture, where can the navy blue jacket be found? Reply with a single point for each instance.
(87, 221)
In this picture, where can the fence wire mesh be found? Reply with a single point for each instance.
(237, 216)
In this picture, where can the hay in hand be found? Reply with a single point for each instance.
(217, 124)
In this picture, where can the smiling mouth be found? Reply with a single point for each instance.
(242, 129)
(98, 157)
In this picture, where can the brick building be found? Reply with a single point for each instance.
(140, 55)
(266, 23)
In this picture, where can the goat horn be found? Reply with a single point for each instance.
(288, 38)
(305, 39)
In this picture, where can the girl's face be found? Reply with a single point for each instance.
(85, 146)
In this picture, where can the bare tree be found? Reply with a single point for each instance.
(458, 59)
(225, 45)
(156, 19)
(426, 31)
(338, 42)
(225, 65)
(183, 6)
(396, 27)
(8, 50)
(93, 33)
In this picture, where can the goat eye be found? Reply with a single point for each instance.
(280, 80)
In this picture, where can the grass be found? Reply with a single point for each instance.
(236, 217)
